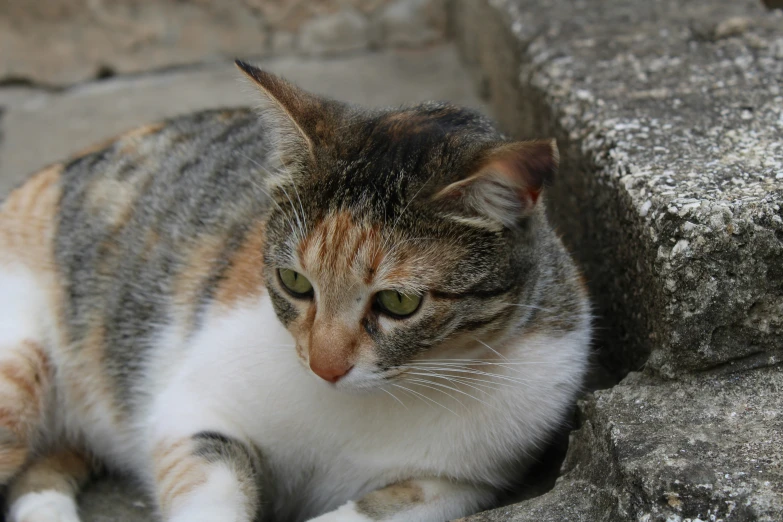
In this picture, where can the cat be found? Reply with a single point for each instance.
(311, 311)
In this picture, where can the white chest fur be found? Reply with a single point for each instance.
(325, 446)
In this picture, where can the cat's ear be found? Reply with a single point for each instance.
(294, 113)
(508, 181)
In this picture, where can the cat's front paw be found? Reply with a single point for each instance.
(46, 506)
(345, 513)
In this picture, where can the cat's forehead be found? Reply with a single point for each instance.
(396, 134)
(378, 162)
(436, 124)
(342, 246)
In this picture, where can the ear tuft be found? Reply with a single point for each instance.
(291, 111)
(508, 181)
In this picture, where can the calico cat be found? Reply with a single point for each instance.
(308, 312)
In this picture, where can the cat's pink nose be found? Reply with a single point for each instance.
(330, 372)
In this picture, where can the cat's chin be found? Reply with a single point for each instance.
(359, 384)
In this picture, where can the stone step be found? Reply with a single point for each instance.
(669, 116)
(706, 448)
(670, 120)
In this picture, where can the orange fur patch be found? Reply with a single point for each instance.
(15, 374)
(11, 420)
(11, 459)
(335, 243)
(85, 394)
(24, 373)
(130, 140)
(96, 147)
(25, 378)
(245, 277)
(390, 501)
(189, 281)
(64, 471)
(177, 472)
(403, 124)
(27, 220)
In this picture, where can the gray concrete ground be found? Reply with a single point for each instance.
(38, 127)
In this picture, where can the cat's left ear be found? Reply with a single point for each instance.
(295, 113)
(508, 182)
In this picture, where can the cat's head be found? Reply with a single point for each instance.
(398, 235)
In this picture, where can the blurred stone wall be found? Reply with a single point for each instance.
(62, 42)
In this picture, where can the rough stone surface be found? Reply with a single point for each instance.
(290, 15)
(62, 42)
(670, 121)
(40, 127)
(410, 23)
(706, 448)
(59, 42)
(345, 30)
(669, 116)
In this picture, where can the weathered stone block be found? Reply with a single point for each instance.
(345, 30)
(671, 194)
(62, 42)
(59, 42)
(410, 23)
(708, 448)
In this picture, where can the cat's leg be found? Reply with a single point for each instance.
(417, 500)
(24, 384)
(46, 490)
(208, 477)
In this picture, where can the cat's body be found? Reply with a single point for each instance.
(143, 320)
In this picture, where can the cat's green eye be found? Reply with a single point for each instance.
(294, 282)
(397, 304)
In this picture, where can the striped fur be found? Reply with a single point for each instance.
(143, 322)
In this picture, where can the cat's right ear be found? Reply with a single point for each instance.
(293, 113)
(507, 182)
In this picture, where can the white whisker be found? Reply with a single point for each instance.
(482, 362)
(293, 182)
(429, 399)
(465, 380)
(490, 348)
(532, 307)
(487, 374)
(453, 389)
(394, 397)
(431, 385)
(415, 394)
(266, 192)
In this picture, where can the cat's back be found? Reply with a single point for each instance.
(102, 241)
(110, 181)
